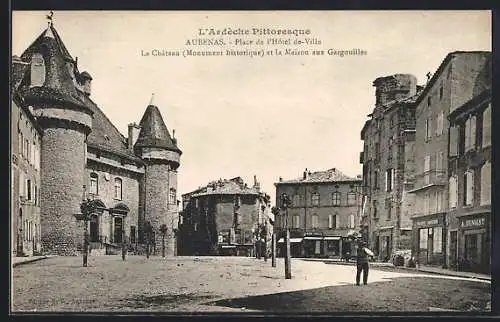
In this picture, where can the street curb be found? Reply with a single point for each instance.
(30, 261)
(372, 264)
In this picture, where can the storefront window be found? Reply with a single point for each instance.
(438, 240)
(424, 232)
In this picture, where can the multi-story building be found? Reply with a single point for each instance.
(449, 88)
(25, 185)
(225, 217)
(81, 154)
(469, 175)
(323, 216)
(389, 164)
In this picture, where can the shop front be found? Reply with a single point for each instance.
(296, 247)
(474, 243)
(384, 243)
(332, 246)
(429, 242)
(313, 246)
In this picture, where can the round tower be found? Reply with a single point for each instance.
(162, 159)
(66, 120)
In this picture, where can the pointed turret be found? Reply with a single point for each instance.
(154, 135)
(161, 156)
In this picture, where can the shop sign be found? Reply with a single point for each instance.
(473, 222)
(427, 223)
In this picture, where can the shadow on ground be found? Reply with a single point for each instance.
(410, 294)
(167, 301)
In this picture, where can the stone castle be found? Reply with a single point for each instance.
(64, 149)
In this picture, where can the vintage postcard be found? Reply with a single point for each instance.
(260, 162)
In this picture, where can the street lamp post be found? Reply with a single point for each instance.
(148, 229)
(275, 211)
(285, 203)
(163, 229)
(124, 246)
(88, 207)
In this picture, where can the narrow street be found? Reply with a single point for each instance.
(232, 284)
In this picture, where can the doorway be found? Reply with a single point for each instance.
(118, 224)
(453, 249)
(94, 228)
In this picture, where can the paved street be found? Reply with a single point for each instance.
(233, 284)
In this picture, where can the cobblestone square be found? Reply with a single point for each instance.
(232, 284)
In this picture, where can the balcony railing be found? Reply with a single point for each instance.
(432, 177)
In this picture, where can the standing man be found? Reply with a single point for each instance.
(362, 262)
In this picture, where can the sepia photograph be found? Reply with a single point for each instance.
(250, 162)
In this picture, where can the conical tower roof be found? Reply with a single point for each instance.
(59, 86)
(154, 132)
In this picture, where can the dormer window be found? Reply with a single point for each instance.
(37, 70)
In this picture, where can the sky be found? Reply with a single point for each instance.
(270, 116)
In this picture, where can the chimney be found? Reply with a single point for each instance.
(174, 140)
(133, 134)
(306, 174)
(280, 179)
(255, 182)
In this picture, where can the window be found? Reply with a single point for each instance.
(352, 222)
(28, 189)
(296, 221)
(470, 133)
(388, 207)
(423, 235)
(94, 183)
(21, 184)
(439, 201)
(196, 203)
(336, 198)
(486, 184)
(35, 195)
(487, 127)
(173, 195)
(27, 149)
(429, 100)
(315, 199)
(439, 125)
(118, 188)
(389, 151)
(439, 160)
(468, 187)
(315, 221)
(427, 169)
(453, 191)
(195, 226)
(454, 140)
(297, 200)
(428, 129)
(351, 199)
(375, 179)
(377, 150)
(389, 179)
(441, 92)
(375, 208)
(332, 221)
(132, 234)
(437, 241)
(21, 144)
(37, 70)
(427, 201)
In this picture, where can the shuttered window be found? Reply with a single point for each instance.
(487, 127)
(452, 198)
(486, 184)
(469, 188)
(454, 139)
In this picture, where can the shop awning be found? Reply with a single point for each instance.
(331, 238)
(292, 240)
(313, 238)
